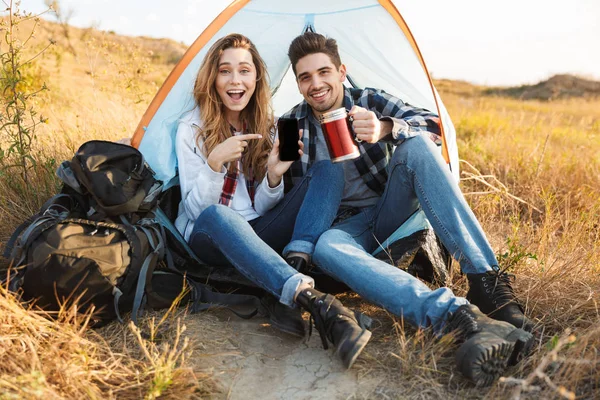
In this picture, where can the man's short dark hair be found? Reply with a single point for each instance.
(311, 43)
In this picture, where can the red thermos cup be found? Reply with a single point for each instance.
(337, 129)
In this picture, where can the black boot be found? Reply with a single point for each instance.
(488, 346)
(286, 319)
(492, 292)
(335, 323)
(298, 263)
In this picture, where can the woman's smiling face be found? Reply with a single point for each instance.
(236, 79)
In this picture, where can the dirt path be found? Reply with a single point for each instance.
(252, 360)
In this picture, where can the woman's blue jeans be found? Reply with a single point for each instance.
(418, 177)
(221, 237)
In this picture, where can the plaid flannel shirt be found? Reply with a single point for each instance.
(231, 178)
(408, 121)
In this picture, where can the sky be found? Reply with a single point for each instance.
(497, 43)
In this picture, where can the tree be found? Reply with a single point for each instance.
(63, 17)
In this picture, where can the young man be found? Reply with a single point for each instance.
(383, 187)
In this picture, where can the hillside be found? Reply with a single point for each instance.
(562, 86)
(74, 40)
(155, 57)
(99, 83)
(529, 170)
(557, 87)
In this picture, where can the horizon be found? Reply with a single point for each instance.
(475, 47)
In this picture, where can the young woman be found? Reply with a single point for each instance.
(233, 209)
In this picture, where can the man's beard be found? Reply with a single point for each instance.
(324, 107)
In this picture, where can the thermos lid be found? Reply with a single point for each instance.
(334, 115)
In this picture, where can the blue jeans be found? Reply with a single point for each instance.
(418, 177)
(221, 237)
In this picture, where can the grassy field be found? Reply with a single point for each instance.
(530, 170)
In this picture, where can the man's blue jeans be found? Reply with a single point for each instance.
(418, 177)
(221, 237)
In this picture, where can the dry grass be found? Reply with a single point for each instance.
(531, 173)
(100, 93)
(62, 358)
(547, 156)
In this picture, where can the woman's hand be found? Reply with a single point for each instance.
(229, 150)
(275, 167)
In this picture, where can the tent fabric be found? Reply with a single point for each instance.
(377, 51)
(417, 222)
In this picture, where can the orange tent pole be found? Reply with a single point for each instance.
(189, 55)
(391, 8)
(218, 23)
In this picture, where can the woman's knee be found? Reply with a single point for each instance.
(217, 222)
(217, 214)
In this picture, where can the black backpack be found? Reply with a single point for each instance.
(100, 243)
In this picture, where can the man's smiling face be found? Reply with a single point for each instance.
(320, 82)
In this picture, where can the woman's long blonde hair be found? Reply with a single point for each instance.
(257, 116)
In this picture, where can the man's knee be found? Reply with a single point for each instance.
(417, 150)
(328, 242)
(419, 143)
(327, 169)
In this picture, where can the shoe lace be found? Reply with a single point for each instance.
(463, 323)
(324, 326)
(503, 291)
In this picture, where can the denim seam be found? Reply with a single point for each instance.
(302, 246)
(354, 235)
(304, 181)
(365, 294)
(385, 195)
(370, 224)
(438, 220)
(249, 275)
(297, 279)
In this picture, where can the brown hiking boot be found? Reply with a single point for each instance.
(336, 324)
(492, 292)
(488, 346)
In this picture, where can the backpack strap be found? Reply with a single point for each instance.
(29, 235)
(8, 249)
(145, 274)
(164, 221)
(166, 286)
(117, 295)
(140, 289)
(204, 298)
(48, 210)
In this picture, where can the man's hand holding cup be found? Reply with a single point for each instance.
(367, 126)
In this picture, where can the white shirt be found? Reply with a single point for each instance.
(201, 186)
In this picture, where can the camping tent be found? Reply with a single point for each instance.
(374, 42)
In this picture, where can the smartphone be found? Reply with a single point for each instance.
(287, 129)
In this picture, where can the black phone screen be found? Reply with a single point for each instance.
(287, 129)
